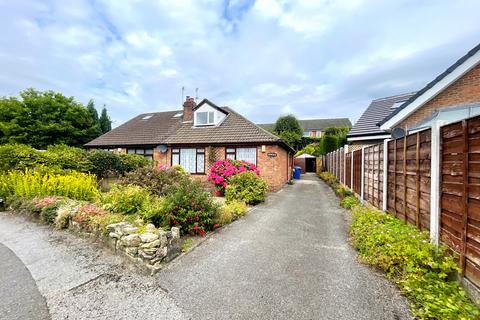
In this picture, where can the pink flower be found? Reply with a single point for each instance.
(241, 169)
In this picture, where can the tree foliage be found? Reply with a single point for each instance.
(44, 118)
(288, 123)
(105, 122)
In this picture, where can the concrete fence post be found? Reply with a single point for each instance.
(351, 170)
(345, 151)
(435, 182)
(385, 175)
(362, 176)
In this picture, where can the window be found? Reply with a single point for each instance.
(146, 117)
(205, 118)
(306, 133)
(147, 153)
(190, 159)
(244, 154)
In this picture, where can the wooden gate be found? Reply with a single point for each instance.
(460, 193)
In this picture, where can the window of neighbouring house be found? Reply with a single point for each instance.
(306, 133)
(205, 118)
(147, 153)
(244, 154)
(192, 160)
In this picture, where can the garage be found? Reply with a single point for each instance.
(306, 162)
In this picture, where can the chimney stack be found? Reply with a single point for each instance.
(188, 107)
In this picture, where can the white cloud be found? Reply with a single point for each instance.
(318, 58)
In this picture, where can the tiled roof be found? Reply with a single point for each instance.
(234, 129)
(376, 112)
(136, 131)
(458, 63)
(315, 124)
(165, 128)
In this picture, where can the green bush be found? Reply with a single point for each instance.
(46, 182)
(344, 192)
(349, 202)
(188, 206)
(155, 180)
(329, 178)
(105, 163)
(126, 199)
(131, 162)
(65, 157)
(19, 157)
(230, 211)
(421, 269)
(246, 187)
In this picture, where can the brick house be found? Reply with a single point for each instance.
(197, 136)
(452, 96)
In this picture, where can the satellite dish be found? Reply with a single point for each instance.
(398, 133)
(162, 148)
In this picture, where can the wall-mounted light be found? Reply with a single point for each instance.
(264, 148)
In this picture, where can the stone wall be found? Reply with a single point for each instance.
(150, 249)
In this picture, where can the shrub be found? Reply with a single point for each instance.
(223, 170)
(188, 206)
(19, 157)
(131, 162)
(349, 202)
(45, 182)
(421, 269)
(104, 163)
(246, 187)
(158, 181)
(230, 211)
(328, 178)
(85, 213)
(126, 199)
(65, 157)
(344, 192)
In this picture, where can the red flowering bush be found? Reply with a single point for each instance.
(47, 207)
(188, 206)
(223, 170)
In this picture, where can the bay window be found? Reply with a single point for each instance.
(192, 160)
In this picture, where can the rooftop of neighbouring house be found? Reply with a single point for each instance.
(315, 124)
(379, 109)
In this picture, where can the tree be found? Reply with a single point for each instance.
(105, 122)
(44, 118)
(291, 138)
(288, 123)
(94, 115)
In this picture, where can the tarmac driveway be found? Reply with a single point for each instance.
(287, 259)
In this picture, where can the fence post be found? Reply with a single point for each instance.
(435, 183)
(362, 176)
(345, 151)
(385, 175)
(351, 171)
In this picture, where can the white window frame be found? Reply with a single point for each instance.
(232, 153)
(176, 159)
(210, 118)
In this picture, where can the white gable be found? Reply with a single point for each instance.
(206, 115)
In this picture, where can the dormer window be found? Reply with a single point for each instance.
(204, 118)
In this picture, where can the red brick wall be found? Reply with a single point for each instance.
(272, 169)
(465, 90)
(301, 162)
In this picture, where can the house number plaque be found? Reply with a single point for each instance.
(272, 154)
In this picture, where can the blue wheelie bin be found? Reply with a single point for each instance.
(297, 171)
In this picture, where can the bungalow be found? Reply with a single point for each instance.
(452, 96)
(314, 128)
(197, 136)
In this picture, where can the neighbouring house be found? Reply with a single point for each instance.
(306, 162)
(366, 130)
(314, 128)
(197, 136)
(452, 96)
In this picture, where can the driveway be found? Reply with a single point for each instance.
(287, 259)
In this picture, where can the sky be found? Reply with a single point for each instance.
(311, 58)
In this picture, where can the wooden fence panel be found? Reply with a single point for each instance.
(357, 171)
(460, 193)
(373, 175)
(409, 178)
(348, 172)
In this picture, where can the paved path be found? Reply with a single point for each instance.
(287, 259)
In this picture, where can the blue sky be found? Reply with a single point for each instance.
(312, 58)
